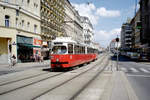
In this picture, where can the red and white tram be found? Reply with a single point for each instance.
(68, 53)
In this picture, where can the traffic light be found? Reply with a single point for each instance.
(138, 25)
(117, 39)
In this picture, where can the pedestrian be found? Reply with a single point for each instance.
(36, 57)
(13, 60)
(41, 58)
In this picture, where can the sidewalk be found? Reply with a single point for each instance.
(6, 68)
(118, 87)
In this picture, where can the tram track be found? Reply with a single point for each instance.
(5, 83)
(1, 93)
(6, 92)
(88, 83)
(74, 78)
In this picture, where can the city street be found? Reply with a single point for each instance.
(41, 85)
(98, 80)
(74, 49)
(138, 74)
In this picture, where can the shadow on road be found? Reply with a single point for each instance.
(58, 70)
(121, 58)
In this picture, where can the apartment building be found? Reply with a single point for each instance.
(145, 21)
(87, 31)
(19, 29)
(126, 36)
(52, 18)
(73, 24)
(136, 32)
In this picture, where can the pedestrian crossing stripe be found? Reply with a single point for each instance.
(124, 69)
(144, 70)
(135, 70)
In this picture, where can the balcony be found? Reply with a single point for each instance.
(128, 30)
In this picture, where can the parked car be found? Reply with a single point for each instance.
(144, 57)
(115, 54)
(134, 56)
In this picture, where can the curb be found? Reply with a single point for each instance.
(130, 91)
(108, 92)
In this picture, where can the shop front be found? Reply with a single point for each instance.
(37, 49)
(24, 49)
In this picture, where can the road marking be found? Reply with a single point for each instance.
(144, 70)
(140, 75)
(124, 69)
(134, 70)
(106, 68)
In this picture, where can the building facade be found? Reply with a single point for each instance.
(136, 34)
(52, 18)
(145, 21)
(72, 24)
(69, 20)
(19, 29)
(87, 31)
(126, 36)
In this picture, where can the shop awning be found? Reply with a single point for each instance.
(28, 45)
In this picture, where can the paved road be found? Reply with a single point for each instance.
(138, 75)
(6, 69)
(45, 85)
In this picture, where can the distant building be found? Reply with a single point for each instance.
(87, 31)
(97, 46)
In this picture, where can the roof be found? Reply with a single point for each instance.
(64, 39)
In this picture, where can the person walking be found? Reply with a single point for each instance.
(13, 60)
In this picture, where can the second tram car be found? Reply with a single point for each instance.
(68, 53)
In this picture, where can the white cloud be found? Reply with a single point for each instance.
(88, 11)
(104, 37)
(93, 13)
(107, 13)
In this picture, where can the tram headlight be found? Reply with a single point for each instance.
(70, 57)
(57, 60)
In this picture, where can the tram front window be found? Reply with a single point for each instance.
(59, 50)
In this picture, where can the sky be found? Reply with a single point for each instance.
(106, 16)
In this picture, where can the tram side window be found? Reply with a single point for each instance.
(80, 49)
(83, 50)
(76, 49)
(70, 48)
(90, 50)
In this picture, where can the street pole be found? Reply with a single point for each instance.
(117, 40)
(117, 56)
